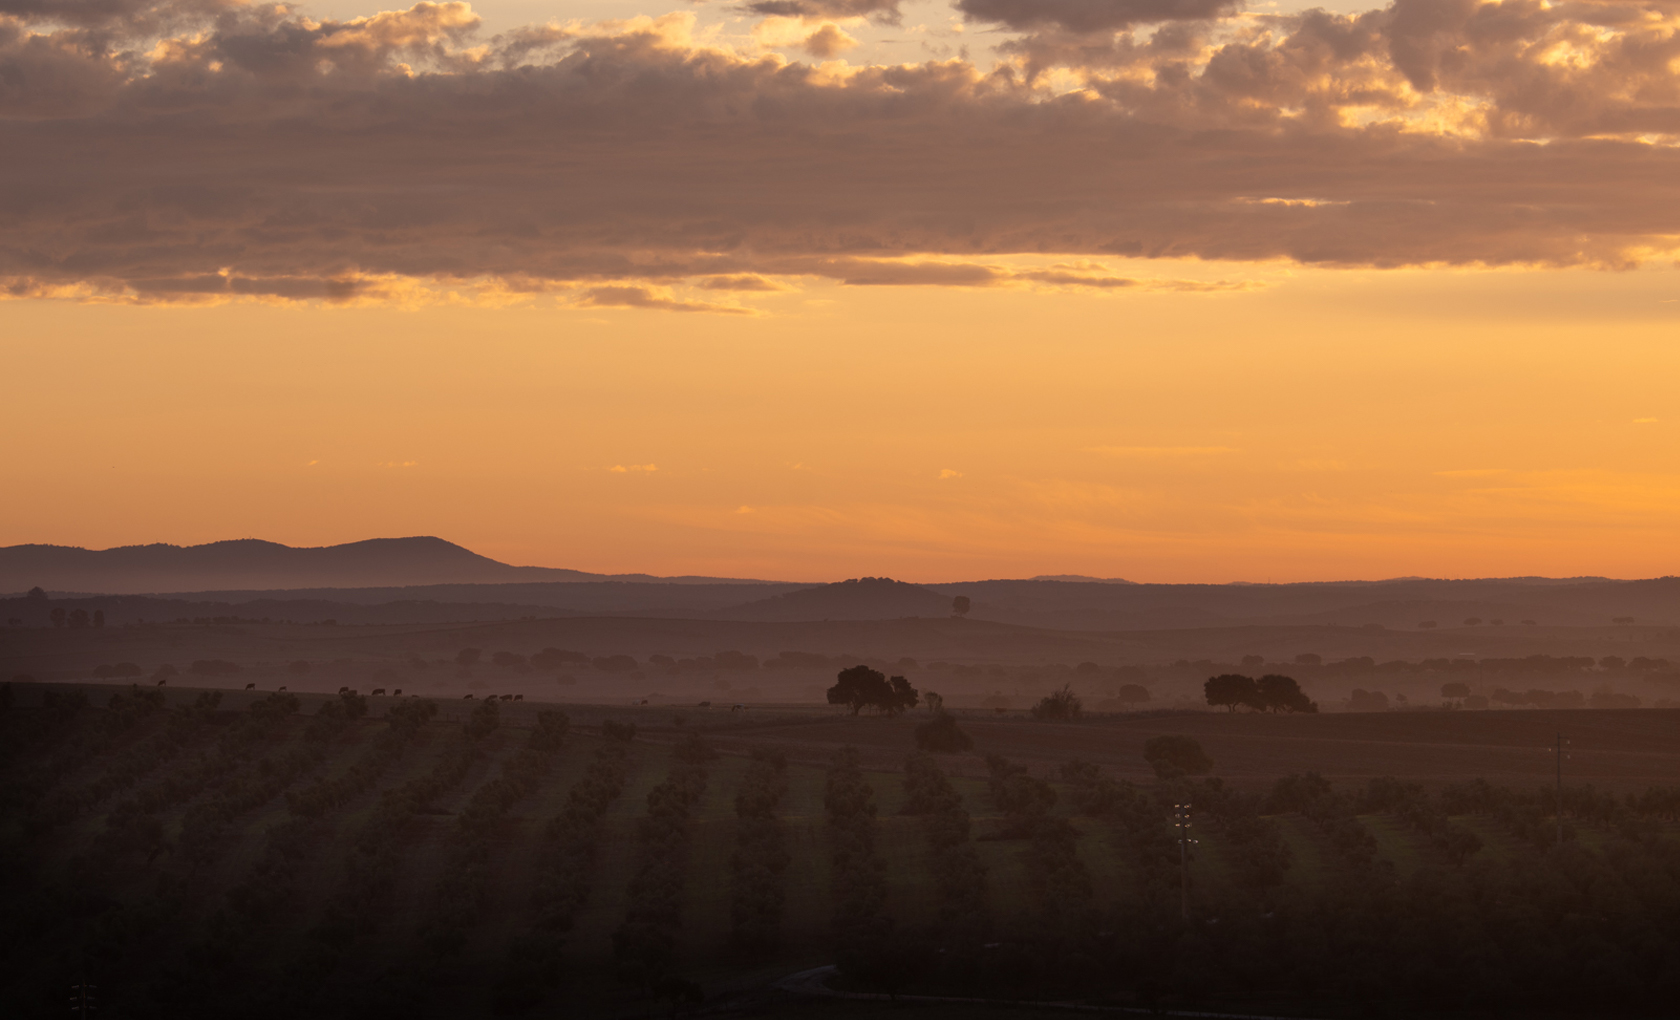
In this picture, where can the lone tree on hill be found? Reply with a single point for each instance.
(960, 605)
(861, 687)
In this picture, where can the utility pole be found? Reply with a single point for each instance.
(1181, 817)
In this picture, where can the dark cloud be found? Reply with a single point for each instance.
(262, 154)
(1086, 16)
(885, 11)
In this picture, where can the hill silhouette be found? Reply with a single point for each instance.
(252, 564)
(861, 598)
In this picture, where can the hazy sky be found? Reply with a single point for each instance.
(1172, 290)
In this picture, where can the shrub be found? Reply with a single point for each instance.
(941, 734)
(1176, 754)
(1061, 706)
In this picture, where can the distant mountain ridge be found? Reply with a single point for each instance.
(252, 564)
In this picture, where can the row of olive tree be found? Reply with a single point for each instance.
(645, 944)
(757, 891)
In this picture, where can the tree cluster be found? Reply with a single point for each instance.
(1271, 693)
(861, 930)
(207, 821)
(330, 722)
(270, 887)
(861, 687)
(569, 844)
(1059, 877)
(133, 824)
(376, 849)
(1413, 806)
(1334, 814)
(645, 945)
(1138, 819)
(757, 892)
(459, 896)
(959, 876)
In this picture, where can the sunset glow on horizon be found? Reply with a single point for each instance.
(814, 289)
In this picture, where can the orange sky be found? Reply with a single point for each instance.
(1328, 424)
(810, 289)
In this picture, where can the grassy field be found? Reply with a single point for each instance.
(1619, 749)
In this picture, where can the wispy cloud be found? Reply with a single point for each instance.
(1160, 452)
(622, 469)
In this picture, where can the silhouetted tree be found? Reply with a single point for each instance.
(57, 617)
(1231, 691)
(78, 619)
(1283, 694)
(1455, 690)
(1253, 661)
(960, 605)
(861, 687)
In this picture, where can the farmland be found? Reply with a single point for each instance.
(203, 851)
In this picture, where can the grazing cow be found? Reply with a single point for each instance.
(465, 696)
(738, 708)
(162, 682)
(644, 701)
(282, 686)
(250, 687)
(344, 690)
(397, 693)
(507, 697)
(519, 697)
(377, 691)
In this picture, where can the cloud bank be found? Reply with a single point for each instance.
(204, 149)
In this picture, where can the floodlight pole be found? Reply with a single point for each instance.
(1181, 816)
